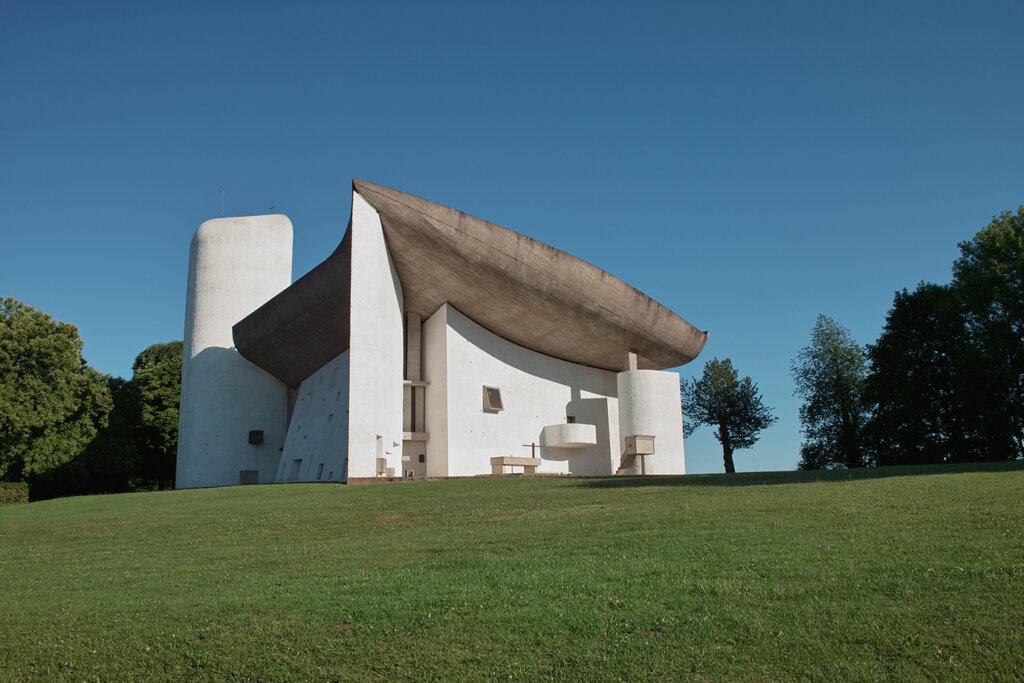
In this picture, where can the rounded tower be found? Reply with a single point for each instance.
(649, 405)
(233, 414)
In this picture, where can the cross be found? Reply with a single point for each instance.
(533, 449)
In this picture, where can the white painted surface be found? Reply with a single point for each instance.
(461, 357)
(235, 265)
(318, 432)
(569, 436)
(649, 403)
(376, 351)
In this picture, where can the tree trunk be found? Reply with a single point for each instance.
(723, 433)
(727, 457)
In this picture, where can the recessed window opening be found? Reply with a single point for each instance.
(570, 419)
(492, 400)
(422, 458)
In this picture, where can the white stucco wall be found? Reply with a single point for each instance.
(316, 448)
(649, 403)
(536, 391)
(235, 265)
(376, 348)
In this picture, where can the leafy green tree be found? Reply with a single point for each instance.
(924, 389)
(137, 448)
(829, 375)
(157, 381)
(732, 405)
(947, 373)
(51, 403)
(110, 463)
(989, 280)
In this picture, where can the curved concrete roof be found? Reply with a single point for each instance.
(523, 290)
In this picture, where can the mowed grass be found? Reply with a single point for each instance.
(898, 573)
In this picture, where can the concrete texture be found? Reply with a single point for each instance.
(522, 290)
(235, 264)
(507, 464)
(295, 333)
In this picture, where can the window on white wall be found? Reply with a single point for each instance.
(492, 400)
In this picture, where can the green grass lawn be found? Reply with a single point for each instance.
(890, 573)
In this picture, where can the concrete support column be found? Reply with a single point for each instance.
(418, 399)
(414, 393)
(413, 323)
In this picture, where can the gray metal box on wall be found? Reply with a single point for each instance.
(639, 444)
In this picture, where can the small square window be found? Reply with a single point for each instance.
(492, 400)
(570, 419)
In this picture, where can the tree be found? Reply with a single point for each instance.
(51, 403)
(157, 381)
(110, 463)
(924, 385)
(829, 375)
(137, 447)
(719, 398)
(988, 278)
(947, 373)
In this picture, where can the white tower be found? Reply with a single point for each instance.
(649, 405)
(233, 414)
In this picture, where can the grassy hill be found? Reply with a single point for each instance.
(886, 573)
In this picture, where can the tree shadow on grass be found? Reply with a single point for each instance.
(797, 476)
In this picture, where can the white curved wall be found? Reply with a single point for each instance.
(649, 403)
(235, 266)
(376, 348)
(460, 357)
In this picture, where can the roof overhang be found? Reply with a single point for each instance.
(518, 288)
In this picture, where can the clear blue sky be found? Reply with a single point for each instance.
(748, 164)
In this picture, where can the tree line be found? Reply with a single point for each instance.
(66, 428)
(943, 383)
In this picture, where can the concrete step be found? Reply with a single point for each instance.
(626, 463)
